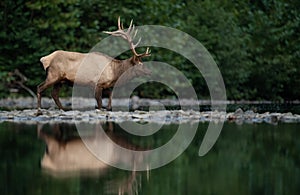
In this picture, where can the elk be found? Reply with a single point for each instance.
(62, 67)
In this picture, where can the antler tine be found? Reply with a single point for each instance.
(134, 45)
(135, 33)
(120, 32)
(130, 27)
(119, 23)
(131, 30)
(127, 36)
(148, 51)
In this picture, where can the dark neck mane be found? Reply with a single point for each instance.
(120, 66)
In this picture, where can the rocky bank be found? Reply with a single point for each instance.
(22, 111)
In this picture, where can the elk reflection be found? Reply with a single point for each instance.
(67, 155)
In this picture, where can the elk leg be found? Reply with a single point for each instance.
(98, 96)
(55, 93)
(109, 100)
(41, 87)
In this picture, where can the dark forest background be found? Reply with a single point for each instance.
(255, 43)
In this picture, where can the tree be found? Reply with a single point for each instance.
(255, 43)
(274, 49)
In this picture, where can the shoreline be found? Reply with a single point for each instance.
(30, 102)
(159, 116)
(23, 110)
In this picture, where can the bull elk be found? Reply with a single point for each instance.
(63, 66)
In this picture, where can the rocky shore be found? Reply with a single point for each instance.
(165, 116)
(23, 112)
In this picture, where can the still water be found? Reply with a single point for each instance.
(246, 159)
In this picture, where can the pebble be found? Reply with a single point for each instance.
(163, 116)
(23, 114)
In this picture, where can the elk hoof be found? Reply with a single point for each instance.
(106, 108)
(39, 112)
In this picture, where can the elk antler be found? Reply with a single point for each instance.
(127, 36)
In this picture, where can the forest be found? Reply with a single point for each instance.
(255, 43)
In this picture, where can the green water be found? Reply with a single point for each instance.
(247, 159)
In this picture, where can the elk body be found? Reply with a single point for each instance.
(100, 71)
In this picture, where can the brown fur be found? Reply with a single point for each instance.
(90, 69)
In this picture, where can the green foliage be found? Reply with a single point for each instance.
(274, 49)
(217, 28)
(255, 43)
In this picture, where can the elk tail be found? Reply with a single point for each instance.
(45, 62)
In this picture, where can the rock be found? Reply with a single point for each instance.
(271, 119)
(257, 120)
(135, 102)
(160, 116)
(239, 111)
(289, 118)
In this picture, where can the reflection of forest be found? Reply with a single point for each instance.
(248, 159)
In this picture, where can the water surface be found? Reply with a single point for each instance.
(247, 159)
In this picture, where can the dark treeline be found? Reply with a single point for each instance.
(256, 44)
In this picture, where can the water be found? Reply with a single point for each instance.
(247, 159)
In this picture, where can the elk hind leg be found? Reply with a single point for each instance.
(40, 88)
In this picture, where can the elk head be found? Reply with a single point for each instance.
(136, 59)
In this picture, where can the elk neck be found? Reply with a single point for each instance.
(120, 66)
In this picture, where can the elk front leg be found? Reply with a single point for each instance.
(55, 93)
(98, 96)
(109, 100)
